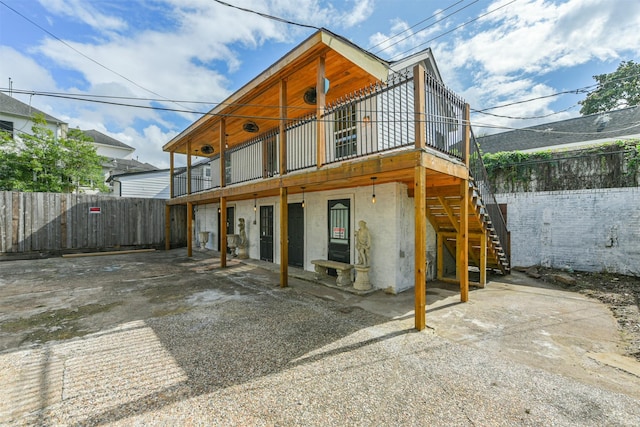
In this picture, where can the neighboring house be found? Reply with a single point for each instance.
(152, 184)
(16, 118)
(575, 133)
(329, 136)
(119, 156)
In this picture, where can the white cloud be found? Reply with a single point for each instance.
(83, 11)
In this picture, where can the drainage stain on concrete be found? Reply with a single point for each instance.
(55, 324)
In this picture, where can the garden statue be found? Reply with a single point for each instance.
(242, 240)
(363, 244)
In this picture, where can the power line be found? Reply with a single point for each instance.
(265, 15)
(422, 29)
(413, 26)
(79, 52)
(454, 29)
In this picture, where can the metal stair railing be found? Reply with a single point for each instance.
(479, 175)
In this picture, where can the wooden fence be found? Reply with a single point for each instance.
(59, 223)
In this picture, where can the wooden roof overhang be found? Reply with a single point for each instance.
(347, 68)
(398, 166)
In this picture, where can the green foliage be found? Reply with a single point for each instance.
(514, 163)
(617, 89)
(43, 163)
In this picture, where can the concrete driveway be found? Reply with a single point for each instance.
(161, 339)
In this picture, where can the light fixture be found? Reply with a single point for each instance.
(310, 97)
(302, 197)
(373, 189)
(250, 126)
(255, 208)
(207, 149)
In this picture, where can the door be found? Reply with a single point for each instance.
(296, 235)
(266, 233)
(229, 227)
(339, 232)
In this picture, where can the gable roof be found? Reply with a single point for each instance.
(12, 106)
(100, 138)
(346, 66)
(584, 130)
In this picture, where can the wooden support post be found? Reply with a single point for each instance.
(320, 104)
(223, 232)
(283, 127)
(284, 238)
(167, 227)
(419, 106)
(172, 190)
(483, 259)
(440, 256)
(222, 147)
(189, 229)
(462, 243)
(420, 235)
(467, 134)
(189, 167)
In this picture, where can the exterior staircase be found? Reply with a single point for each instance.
(487, 229)
(443, 212)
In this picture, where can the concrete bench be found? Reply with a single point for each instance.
(343, 270)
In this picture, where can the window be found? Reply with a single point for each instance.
(6, 126)
(345, 131)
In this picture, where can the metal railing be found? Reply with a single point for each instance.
(483, 186)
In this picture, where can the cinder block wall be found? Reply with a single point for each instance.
(585, 230)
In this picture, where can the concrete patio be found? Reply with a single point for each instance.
(157, 338)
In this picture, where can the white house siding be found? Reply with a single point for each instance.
(585, 230)
(390, 221)
(114, 152)
(22, 125)
(154, 185)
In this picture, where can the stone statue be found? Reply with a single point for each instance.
(363, 243)
(242, 240)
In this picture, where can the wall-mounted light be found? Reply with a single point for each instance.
(302, 197)
(255, 208)
(373, 189)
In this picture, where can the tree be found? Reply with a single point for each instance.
(618, 89)
(43, 163)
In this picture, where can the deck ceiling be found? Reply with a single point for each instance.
(259, 100)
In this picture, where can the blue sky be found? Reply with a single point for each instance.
(491, 52)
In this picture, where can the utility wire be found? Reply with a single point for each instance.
(413, 26)
(454, 29)
(81, 53)
(265, 15)
(422, 29)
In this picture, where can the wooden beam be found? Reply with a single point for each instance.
(189, 229)
(449, 212)
(320, 104)
(467, 134)
(223, 232)
(189, 167)
(440, 256)
(420, 235)
(167, 227)
(483, 260)
(221, 149)
(284, 238)
(443, 165)
(283, 127)
(462, 243)
(419, 106)
(172, 191)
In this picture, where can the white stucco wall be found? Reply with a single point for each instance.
(390, 222)
(586, 230)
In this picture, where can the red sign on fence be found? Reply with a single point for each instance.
(95, 210)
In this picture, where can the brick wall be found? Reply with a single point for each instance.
(585, 230)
